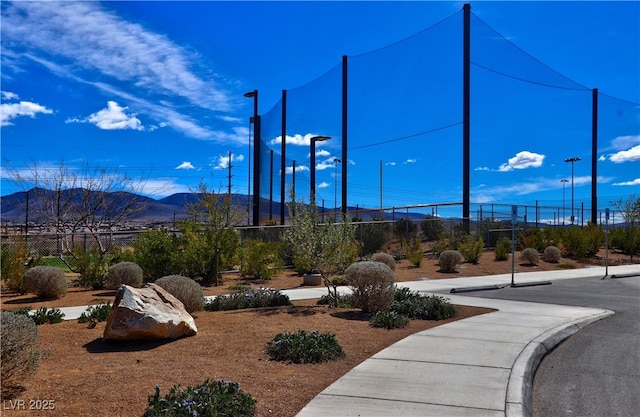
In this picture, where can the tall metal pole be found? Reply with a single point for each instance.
(564, 216)
(312, 168)
(256, 157)
(229, 186)
(283, 161)
(594, 156)
(344, 132)
(572, 161)
(466, 112)
(271, 185)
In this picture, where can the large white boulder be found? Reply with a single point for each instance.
(148, 313)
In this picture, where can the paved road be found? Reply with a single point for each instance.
(596, 372)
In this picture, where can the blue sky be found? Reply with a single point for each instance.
(155, 89)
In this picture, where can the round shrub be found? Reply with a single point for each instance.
(388, 320)
(20, 350)
(372, 285)
(552, 254)
(449, 260)
(127, 273)
(303, 347)
(46, 282)
(530, 255)
(184, 289)
(385, 258)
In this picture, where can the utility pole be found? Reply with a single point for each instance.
(230, 157)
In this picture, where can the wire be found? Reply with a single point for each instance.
(426, 132)
(528, 81)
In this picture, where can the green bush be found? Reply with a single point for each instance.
(127, 273)
(471, 249)
(344, 300)
(441, 245)
(415, 252)
(595, 238)
(43, 315)
(575, 242)
(157, 253)
(388, 320)
(552, 254)
(303, 347)
(414, 306)
(260, 260)
(184, 289)
(531, 256)
(46, 282)
(449, 260)
(248, 298)
(432, 227)
(373, 236)
(385, 258)
(95, 314)
(502, 249)
(210, 399)
(626, 240)
(371, 284)
(12, 263)
(93, 268)
(20, 351)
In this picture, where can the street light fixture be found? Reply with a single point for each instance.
(564, 216)
(572, 160)
(312, 168)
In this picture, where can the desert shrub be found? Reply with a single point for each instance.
(373, 236)
(552, 254)
(415, 252)
(449, 260)
(260, 260)
(20, 351)
(156, 251)
(530, 255)
(432, 227)
(211, 398)
(471, 249)
(303, 347)
(344, 300)
(625, 239)
(95, 314)
(385, 258)
(371, 284)
(12, 264)
(93, 268)
(532, 237)
(502, 249)
(46, 282)
(248, 298)
(184, 289)
(405, 229)
(388, 320)
(441, 245)
(575, 242)
(43, 315)
(594, 236)
(415, 306)
(127, 273)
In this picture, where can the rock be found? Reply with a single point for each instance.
(148, 313)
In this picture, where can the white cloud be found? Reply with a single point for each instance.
(410, 161)
(10, 111)
(632, 182)
(223, 160)
(296, 140)
(322, 153)
(630, 155)
(186, 165)
(482, 169)
(324, 184)
(326, 164)
(7, 95)
(602, 158)
(522, 160)
(390, 164)
(113, 117)
(299, 168)
(625, 142)
(84, 35)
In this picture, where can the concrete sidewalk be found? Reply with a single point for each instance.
(480, 366)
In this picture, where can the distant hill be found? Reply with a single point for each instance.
(161, 211)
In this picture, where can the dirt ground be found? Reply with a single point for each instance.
(80, 375)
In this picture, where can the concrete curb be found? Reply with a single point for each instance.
(520, 386)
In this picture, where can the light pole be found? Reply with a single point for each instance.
(335, 185)
(256, 157)
(572, 160)
(564, 216)
(312, 168)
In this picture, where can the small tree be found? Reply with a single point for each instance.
(327, 248)
(432, 227)
(630, 210)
